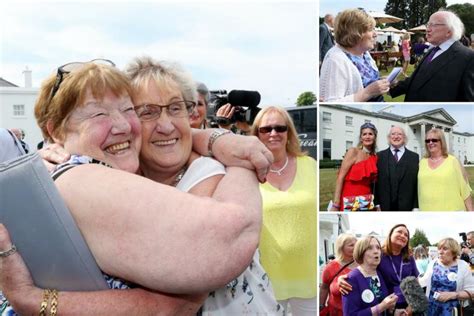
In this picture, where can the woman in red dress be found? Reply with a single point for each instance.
(329, 296)
(358, 170)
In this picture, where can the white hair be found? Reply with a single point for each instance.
(454, 24)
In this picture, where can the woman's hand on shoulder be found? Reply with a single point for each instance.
(344, 286)
(52, 155)
(244, 151)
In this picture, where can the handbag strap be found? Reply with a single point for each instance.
(469, 295)
(340, 270)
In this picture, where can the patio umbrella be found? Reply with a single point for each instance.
(391, 29)
(381, 17)
(420, 28)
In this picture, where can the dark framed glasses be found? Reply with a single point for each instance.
(277, 128)
(431, 140)
(148, 112)
(69, 67)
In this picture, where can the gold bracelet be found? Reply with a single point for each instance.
(44, 303)
(54, 303)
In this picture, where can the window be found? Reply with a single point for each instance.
(459, 139)
(366, 121)
(326, 149)
(327, 117)
(349, 120)
(18, 110)
(349, 145)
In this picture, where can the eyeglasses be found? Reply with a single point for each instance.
(431, 140)
(433, 24)
(276, 128)
(69, 67)
(148, 112)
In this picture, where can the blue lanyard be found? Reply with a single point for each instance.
(399, 277)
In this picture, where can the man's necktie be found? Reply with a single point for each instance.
(395, 154)
(431, 54)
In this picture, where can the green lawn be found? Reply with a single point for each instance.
(388, 98)
(327, 183)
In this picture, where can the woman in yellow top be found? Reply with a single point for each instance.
(288, 237)
(442, 181)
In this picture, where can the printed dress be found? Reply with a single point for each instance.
(442, 280)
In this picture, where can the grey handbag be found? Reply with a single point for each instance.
(43, 229)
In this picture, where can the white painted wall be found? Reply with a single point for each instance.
(10, 96)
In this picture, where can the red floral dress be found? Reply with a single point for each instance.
(359, 178)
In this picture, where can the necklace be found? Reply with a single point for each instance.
(436, 159)
(279, 171)
(178, 177)
(364, 149)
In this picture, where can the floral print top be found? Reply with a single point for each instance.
(442, 280)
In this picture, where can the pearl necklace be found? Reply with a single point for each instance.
(279, 171)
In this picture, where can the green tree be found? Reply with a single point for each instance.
(413, 12)
(466, 14)
(419, 238)
(306, 98)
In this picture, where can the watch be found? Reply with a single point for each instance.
(214, 136)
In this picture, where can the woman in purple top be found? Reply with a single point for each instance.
(369, 295)
(397, 262)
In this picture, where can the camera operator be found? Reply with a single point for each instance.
(224, 115)
(235, 110)
(467, 247)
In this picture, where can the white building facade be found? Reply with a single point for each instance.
(17, 109)
(339, 130)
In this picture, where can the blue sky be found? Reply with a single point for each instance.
(462, 113)
(335, 6)
(269, 46)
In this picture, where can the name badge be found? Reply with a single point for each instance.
(452, 276)
(367, 296)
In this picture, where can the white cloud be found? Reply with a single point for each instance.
(269, 46)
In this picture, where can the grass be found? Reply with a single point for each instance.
(327, 184)
(401, 98)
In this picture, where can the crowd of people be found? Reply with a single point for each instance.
(395, 179)
(370, 278)
(444, 71)
(124, 157)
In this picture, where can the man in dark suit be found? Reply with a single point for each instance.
(326, 40)
(446, 72)
(396, 186)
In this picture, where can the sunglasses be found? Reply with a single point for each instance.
(276, 128)
(368, 125)
(431, 140)
(69, 67)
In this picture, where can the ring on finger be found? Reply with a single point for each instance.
(9, 252)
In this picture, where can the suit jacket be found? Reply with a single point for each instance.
(406, 178)
(326, 40)
(448, 78)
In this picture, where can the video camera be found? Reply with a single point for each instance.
(469, 258)
(244, 103)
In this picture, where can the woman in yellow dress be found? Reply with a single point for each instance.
(288, 237)
(442, 181)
